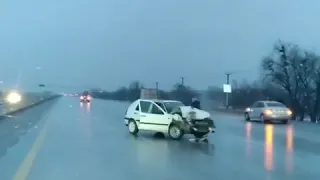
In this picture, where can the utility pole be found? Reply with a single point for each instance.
(182, 81)
(227, 94)
(157, 89)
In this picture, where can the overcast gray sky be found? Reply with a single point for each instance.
(108, 43)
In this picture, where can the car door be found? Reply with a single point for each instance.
(143, 115)
(152, 117)
(258, 110)
(252, 110)
(136, 112)
(159, 118)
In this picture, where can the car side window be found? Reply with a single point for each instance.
(155, 110)
(254, 104)
(260, 105)
(137, 108)
(161, 105)
(144, 105)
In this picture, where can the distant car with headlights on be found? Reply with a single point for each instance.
(268, 111)
(85, 97)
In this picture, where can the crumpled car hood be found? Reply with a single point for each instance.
(187, 112)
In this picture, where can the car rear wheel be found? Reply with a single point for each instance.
(175, 132)
(132, 127)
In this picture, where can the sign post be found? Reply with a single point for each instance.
(227, 89)
(148, 93)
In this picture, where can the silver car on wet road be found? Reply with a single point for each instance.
(268, 111)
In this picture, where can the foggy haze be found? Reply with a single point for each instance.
(108, 43)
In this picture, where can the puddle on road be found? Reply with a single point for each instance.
(268, 149)
(269, 153)
(289, 149)
(86, 106)
(248, 136)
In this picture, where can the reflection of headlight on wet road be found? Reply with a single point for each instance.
(13, 97)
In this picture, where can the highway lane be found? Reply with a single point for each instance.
(91, 142)
(17, 133)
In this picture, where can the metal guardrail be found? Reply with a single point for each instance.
(28, 100)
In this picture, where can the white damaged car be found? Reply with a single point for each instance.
(169, 117)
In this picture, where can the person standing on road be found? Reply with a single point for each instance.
(195, 103)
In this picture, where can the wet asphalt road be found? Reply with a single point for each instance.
(65, 140)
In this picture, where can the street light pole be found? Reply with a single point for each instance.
(182, 81)
(157, 89)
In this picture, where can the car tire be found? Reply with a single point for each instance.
(262, 120)
(246, 117)
(132, 127)
(285, 121)
(175, 132)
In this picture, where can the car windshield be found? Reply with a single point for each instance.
(275, 104)
(171, 105)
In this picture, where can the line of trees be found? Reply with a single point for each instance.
(132, 92)
(291, 75)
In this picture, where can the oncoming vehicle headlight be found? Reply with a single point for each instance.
(267, 112)
(13, 97)
(289, 112)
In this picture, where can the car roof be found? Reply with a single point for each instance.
(269, 102)
(159, 100)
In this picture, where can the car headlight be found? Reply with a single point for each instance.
(268, 112)
(177, 117)
(289, 112)
(13, 97)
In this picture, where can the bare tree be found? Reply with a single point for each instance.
(295, 71)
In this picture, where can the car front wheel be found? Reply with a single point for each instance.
(175, 132)
(133, 128)
(262, 119)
